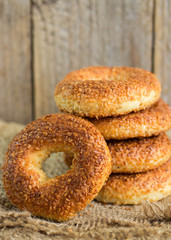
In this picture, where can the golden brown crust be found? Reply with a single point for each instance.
(106, 91)
(58, 198)
(139, 155)
(133, 188)
(144, 123)
(136, 155)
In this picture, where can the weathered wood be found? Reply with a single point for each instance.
(73, 34)
(162, 50)
(15, 74)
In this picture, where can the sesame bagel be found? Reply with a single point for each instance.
(134, 188)
(136, 155)
(99, 91)
(144, 123)
(61, 197)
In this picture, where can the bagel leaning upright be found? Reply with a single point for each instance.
(99, 91)
(61, 197)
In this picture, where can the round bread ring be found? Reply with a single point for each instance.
(61, 197)
(134, 188)
(136, 155)
(99, 91)
(144, 123)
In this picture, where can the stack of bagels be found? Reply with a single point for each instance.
(124, 105)
(120, 105)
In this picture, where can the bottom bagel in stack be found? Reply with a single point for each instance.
(133, 188)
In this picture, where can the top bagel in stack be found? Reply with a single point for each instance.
(99, 91)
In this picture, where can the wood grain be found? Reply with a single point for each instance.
(162, 50)
(15, 72)
(74, 34)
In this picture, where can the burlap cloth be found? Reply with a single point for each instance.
(97, 221)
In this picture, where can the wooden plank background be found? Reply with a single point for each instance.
(162, 47)
(42, 40)
(15, 56)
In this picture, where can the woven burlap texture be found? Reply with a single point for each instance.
(97, 221)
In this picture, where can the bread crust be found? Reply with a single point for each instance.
(61, 197)
(99, 91)
(136, 155)
(144, 123)
(134, 188)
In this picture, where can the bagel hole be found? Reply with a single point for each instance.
(54, 165)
